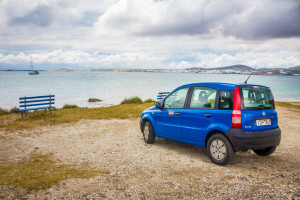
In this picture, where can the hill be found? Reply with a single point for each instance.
(242, 68)
(296, 68)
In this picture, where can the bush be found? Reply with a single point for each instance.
(132, 100)
(149, 101)
(14, 110)
(3, 111)
(67, 106)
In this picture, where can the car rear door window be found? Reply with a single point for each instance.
(203, 98)
(226, 100)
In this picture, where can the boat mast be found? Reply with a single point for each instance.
(31, 64)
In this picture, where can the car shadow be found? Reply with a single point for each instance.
(242, 159)
(192, 151)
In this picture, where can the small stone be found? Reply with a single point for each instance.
(36, 147)
(12, 187)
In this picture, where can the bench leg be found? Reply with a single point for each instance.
(22, 114)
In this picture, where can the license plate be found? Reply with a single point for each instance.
(263, 122)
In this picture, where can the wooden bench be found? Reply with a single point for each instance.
(36, 103)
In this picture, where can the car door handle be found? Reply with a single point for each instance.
(177, 113)
(208, 115)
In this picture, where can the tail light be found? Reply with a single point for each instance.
(236, 117)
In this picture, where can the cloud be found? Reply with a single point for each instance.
(150, 33)
(143, 60)
(84, 59)
(40, 16)
(242, 19)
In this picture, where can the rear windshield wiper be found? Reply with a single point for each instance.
(261, 107)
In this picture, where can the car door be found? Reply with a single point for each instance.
(169, 118)
(200, 114)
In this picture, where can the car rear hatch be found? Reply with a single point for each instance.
(257, 108)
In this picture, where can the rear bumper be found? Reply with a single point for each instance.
(244, 140)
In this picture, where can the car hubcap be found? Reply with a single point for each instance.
(218, 149)
(146, 132)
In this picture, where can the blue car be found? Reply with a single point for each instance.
(224, 118)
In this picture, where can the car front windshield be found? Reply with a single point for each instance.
(255, 98)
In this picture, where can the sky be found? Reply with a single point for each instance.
(167, 34)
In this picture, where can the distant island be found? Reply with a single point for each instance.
(232, 69)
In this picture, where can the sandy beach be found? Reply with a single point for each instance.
(164, 170)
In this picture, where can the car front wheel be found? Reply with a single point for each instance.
(220, 150)
(148, 133)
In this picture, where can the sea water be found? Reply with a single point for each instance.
(77, 87)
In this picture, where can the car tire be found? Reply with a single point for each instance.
(265, 152)
(220, 150)
(148, 133)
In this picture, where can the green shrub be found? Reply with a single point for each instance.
(3, 111)
(148, 101)
(14, 110)
(132, 100)
(67, 106)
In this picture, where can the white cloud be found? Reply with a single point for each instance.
(142, 60)
(130, 60)
(247, 20)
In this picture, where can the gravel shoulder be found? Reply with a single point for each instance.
(164, 170)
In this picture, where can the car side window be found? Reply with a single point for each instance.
(203, 98)
(176, 99)
(225, 100)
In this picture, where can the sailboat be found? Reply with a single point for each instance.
(31, 72)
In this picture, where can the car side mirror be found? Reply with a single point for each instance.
(158, 105)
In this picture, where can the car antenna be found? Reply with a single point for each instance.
(250, 74)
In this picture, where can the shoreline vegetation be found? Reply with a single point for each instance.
(130, 108)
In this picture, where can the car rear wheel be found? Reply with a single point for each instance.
(148, 133)
(220, 150)
(265, 152)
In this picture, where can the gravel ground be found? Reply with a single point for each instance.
(164, 170)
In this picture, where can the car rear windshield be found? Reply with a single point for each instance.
(256, 98)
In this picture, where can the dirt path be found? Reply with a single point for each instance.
(164, 170)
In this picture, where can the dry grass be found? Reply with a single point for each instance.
(12, 122)
(41, 171)
(288, 104)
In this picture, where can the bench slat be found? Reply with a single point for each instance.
(38, 104)
(163, 92)
(40, 108)
(34, 101)
(162, 95)
(36, 97)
